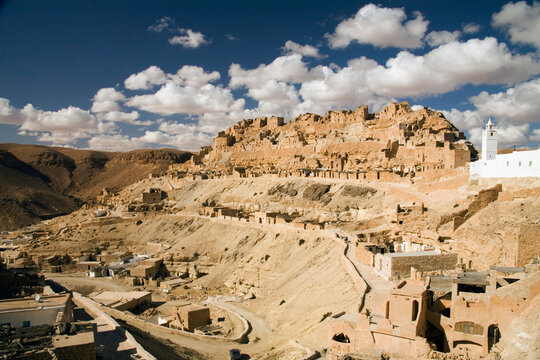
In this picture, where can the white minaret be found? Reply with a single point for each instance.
(489, 142)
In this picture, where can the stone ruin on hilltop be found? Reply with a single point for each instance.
(396, 142)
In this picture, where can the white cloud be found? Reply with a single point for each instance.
(437, 38)
(471, 28)
(191, 39)
(115, 143)
(164, 23)
(171, 127)
(190, 75)
(535, 135)
(522, 21)
(146, 79)
(507, 134)
(190, 140)
(64, 126)
(106, 99)
(276, 92)
(464, 120)
(291, 47)
(176, 99)
(343, 87)
(289, 68)
(120, 116)
(380, 27)
(514, 110)
(231, 37)
(9, 114)
(519, 104)
(450, 66)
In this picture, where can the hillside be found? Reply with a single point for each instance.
(288, 278)
(39, 182)
(399, 141)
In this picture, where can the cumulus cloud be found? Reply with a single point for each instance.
(64, 126)
(464, 120)
(164, 23)
(191, 39)
(535, 135)
(146, 79)
(471, 28)
(106, 99)
(191, 140)
(115, 142)
(518, 104)
(289, 68)
(507, 134)
(291, 47)
(521, 21)
(437, 38)
(126, 117)
(450, 66)
(380, 27)
(9, 114)
(341, 87)
(190, 75)
(514, 110)
(276, 92)
(176, 99)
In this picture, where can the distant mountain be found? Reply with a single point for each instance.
(39, 182)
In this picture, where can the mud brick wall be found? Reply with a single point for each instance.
(401, 266)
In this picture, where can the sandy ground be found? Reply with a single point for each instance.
(294, 275)
(86, 285)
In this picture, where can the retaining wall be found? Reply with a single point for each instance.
(155, 329)
(94, 309)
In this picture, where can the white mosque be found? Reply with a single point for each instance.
(514, 165)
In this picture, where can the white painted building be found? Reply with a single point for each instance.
(514, 165)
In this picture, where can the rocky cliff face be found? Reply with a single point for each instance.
(39, 182)
(397, 139)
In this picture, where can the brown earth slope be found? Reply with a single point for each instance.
(38, 182)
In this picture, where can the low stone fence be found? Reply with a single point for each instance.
(155, 329)
(353, 272)
(94, 309)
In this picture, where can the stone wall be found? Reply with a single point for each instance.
(400, 266)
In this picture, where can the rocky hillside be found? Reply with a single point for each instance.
(38, 182)
(397, 139)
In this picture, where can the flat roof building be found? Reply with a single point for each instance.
(38, 310)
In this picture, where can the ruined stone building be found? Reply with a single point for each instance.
(152, 196)
(393, 143)
(188, 317)
(464, 314)
(399, 327)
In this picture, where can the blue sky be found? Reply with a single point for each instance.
(121, 75)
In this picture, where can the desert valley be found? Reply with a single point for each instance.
(347, 235)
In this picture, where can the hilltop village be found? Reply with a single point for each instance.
(345, 236)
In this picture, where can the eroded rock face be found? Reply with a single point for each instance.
(397, 139)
